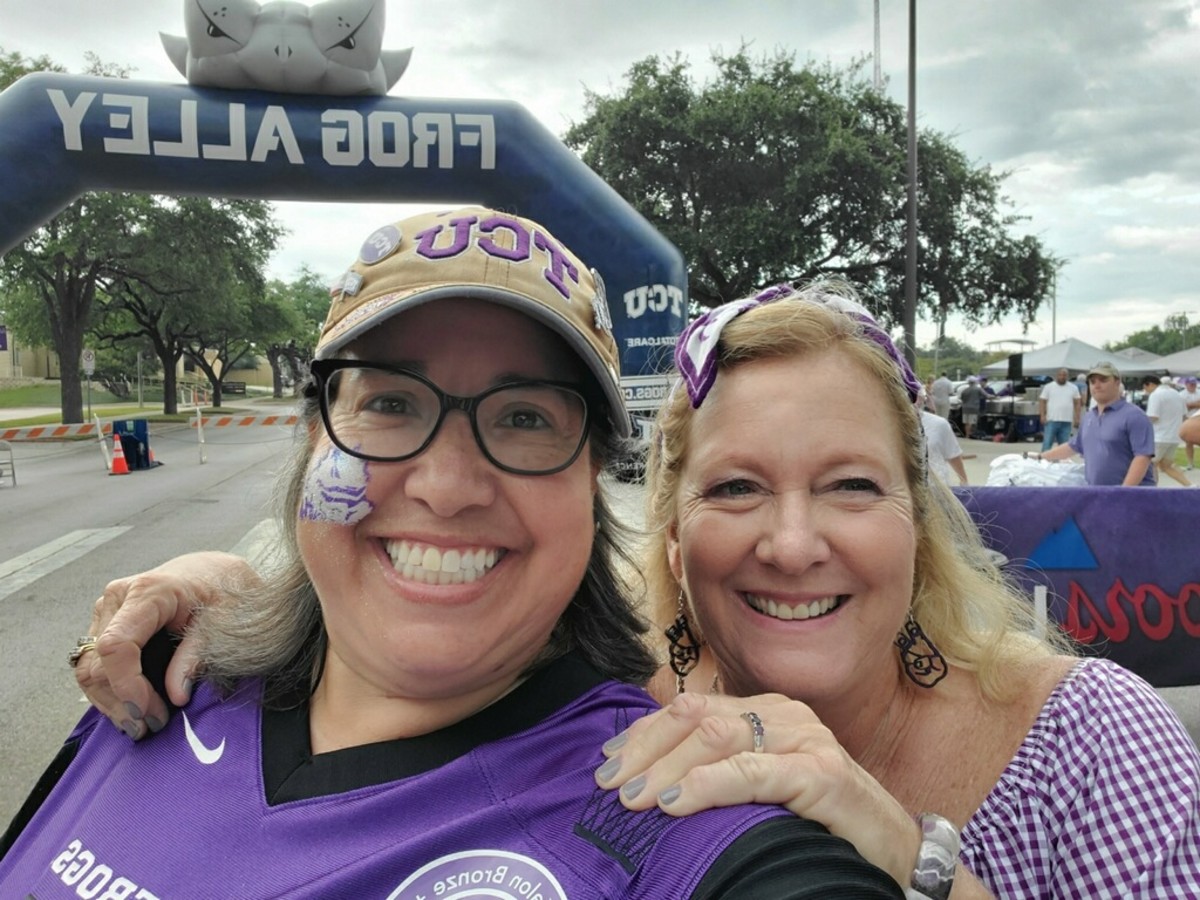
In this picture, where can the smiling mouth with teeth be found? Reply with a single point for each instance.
(789, 611)
(432, 565)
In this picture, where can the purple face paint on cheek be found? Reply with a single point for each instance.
(335, 489)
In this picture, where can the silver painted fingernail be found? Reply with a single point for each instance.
(670, 795)
(131, 729)
(609, 770)
(155, 724)
(133, 709)
(616, 743)
(633, 787)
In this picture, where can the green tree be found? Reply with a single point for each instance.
(197, 286)
(14, 66)
(303, 304)
(1176, 333)
(773, 173)
(167, 266)
(55, 277)
(950, 355)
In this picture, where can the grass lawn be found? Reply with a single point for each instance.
(103, 404)
(48, 394)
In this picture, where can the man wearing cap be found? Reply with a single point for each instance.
(1058, 407)
(1115, 438)
(1191, 398)
(1167, 409)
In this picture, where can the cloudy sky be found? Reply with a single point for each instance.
(1093, 106)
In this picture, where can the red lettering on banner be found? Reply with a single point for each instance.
(1113, 622)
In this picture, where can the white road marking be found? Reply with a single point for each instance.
(27, 568)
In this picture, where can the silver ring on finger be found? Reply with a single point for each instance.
(756, 727)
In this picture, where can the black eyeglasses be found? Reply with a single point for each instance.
(380, 412)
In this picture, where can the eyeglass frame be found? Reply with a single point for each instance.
(322, 370)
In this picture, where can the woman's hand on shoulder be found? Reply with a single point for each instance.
(697, 753)
(128, 614)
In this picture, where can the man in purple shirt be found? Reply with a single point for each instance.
(1115, 438)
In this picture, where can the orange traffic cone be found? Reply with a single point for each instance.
(119, 466)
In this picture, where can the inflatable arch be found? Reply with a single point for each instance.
(62, 135)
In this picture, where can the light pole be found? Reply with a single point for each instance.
(1184, 327)
(878, 66)
(1054, 307)
(910, 270)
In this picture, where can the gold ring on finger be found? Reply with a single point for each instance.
(82, 646)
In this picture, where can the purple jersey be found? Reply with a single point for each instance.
(227, 801)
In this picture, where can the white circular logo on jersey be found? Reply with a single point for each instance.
(494, 874)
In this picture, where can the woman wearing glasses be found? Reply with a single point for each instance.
(412, 706)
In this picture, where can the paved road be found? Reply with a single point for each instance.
(69, 528)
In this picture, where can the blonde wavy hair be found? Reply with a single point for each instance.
(979, 621)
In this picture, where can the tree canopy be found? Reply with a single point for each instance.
(182, 273)
(1176, 333)
(304, 303)
(771, 172)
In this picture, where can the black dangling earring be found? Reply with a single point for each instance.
(685, 649)
(923, 662)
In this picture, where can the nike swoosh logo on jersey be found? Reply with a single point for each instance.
(206, 755)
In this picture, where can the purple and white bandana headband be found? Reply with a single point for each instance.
(696, 349)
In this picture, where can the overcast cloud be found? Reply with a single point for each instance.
(1093, 106)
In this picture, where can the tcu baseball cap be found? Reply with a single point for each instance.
(1106, 369)
(481, 254)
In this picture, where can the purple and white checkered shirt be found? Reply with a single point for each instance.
(1101, 800)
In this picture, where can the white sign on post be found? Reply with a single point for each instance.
(89, 362)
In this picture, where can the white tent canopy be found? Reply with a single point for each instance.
(1076, 357)
(1138, 356)
(1185, 362)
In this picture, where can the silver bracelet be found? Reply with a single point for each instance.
(933, 874)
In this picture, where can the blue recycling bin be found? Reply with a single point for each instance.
(135, 442)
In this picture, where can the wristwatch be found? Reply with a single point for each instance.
(933, 874)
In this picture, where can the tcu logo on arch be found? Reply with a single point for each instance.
(655, 298)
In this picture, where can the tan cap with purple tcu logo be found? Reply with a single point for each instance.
(480, 254)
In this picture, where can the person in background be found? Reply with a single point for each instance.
(973, 399)
(988, 393)
(928, 402)
(942, 450)
(1191, 397)
(1166, 409)
(412, 703)
(1059, 405)
(940, 392)
(1115, 437)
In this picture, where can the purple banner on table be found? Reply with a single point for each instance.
(1121, 566)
